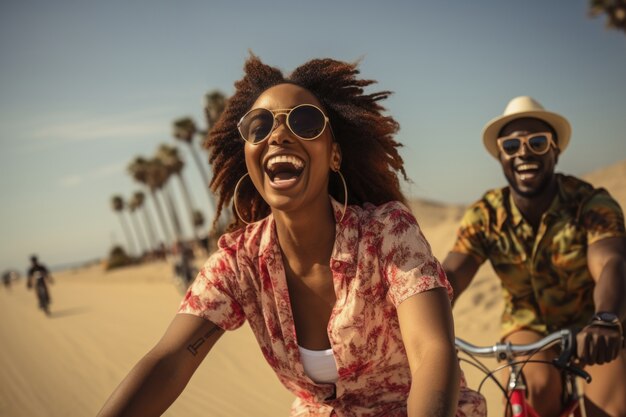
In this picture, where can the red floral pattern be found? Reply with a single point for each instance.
(380, 259)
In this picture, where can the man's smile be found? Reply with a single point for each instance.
(527, 170)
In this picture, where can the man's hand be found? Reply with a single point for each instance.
(599, 343)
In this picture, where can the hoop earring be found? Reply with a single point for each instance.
(345, 195)
(235, 197)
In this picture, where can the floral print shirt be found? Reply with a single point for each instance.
(545, 279)
(380, 259)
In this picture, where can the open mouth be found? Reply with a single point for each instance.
(527, 170)
(284, 170)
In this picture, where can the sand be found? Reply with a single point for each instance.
(102, 323)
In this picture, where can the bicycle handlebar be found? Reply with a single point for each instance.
(506, 350)
(500, 349)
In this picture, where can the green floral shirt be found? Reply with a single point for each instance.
(545, 280)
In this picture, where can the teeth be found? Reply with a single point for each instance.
(527, 167)
(289, 159)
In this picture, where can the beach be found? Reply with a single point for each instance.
(103, 322)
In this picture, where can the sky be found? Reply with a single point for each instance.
(86, 86)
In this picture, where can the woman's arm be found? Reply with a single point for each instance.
(162, 374)
(428, 335)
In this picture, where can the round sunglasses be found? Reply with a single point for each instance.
(537, 143)
(305, 121)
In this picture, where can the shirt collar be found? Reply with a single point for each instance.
(516, 215)
(511, 210)
(346, 233)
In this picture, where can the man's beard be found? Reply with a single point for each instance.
(530, 193)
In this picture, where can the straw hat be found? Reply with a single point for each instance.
(525, 106)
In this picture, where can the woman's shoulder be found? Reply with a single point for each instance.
(384, 217)
(385, 212)
(246, 240)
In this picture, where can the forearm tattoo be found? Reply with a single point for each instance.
(195, 346)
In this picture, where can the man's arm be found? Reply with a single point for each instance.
(46, 275)
(160, 376)
(607, 263)
(606, 260)
(460, 269)
(428, 335)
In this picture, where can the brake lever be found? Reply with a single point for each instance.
(568, 351)
(572, 369)
(579, 372)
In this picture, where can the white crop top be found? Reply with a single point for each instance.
(319, 365)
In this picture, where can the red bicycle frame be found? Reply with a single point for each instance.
(521, 408)
(515, 390)
(519, 403)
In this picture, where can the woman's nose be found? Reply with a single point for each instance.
(281, 133)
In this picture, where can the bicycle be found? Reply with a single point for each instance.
(41, 288)
(517, 405)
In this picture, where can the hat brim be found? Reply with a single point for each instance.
(559, 124)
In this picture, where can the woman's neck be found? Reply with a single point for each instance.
(307, 237)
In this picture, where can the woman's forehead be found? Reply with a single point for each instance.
(285, 96)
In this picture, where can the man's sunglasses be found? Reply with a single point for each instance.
(305, 121)
(538, 143)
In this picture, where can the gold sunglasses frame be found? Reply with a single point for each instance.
(524, 139)
(286, 112)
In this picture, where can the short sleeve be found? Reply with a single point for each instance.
(602, 217)
(211, 296)
(408, 264)
(470, 237)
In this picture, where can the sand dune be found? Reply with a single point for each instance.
(102, 323)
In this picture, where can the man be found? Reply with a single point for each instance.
(558, 246)
(38, 275)
(184, 269)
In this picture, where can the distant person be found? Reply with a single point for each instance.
(558, 246)
(324, 261)
(39, 277)
(161, 252)
(7, 277)
(184, 268)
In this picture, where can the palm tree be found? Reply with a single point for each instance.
(132, 208)
(140, 169)
(170, 158)
(614, 9)
(138, 200)
(184, 130)
(117, 203)
(159, 176)
(214, 105)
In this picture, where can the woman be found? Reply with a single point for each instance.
(348, 305)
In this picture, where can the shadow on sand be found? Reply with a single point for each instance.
(69, 312)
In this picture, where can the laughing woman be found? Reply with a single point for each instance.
(324, 261)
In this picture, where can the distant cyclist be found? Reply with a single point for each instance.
(558, 246)
(39, 277)
(183, 266)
